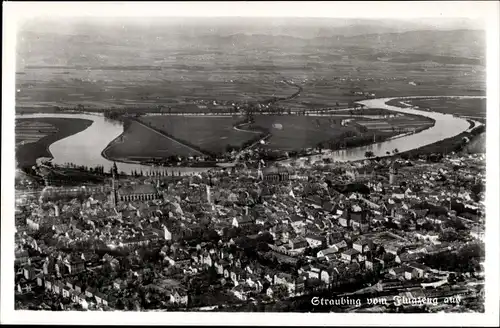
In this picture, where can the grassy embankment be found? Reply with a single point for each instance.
(27, 154)
(456, 143)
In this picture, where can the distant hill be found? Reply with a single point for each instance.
(462, 43)
(99, 42)
(467, 44)
(302, 27)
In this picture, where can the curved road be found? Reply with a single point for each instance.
(237, 128)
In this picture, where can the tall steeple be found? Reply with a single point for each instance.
(115, 169)
(260, 176)
(392, 174)
(113, 186)
(209, 195)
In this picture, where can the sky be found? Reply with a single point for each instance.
(355, 9)
(411, 14)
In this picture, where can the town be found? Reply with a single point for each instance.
(262, 237)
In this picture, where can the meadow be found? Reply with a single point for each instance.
(28, 131)
(405, 123)
(470, 108)
(161, 136)
(53, 129)
(138, 142)
(291, 132)
(212, 134)
(215, 134)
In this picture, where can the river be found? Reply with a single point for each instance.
(85, 147)
(446, 126)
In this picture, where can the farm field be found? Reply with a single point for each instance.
(52, 129)
(211, 134)
(28, 131)
(240, 68)
(399, 124)
(215, 134)
(40, 90)
(138, 142)
(290, 132)
(470, 108)
(362, 112)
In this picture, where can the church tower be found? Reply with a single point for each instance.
(209, 195)
(260, 176)
(392, 175)
(114, 195)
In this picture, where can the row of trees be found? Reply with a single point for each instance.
(152, 173)
(350, 140)
(466, 259)
(98, 169)
(370, 154)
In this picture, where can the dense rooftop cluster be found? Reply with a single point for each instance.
(259, 240)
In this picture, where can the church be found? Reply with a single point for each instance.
(276, 174)
(136, 192)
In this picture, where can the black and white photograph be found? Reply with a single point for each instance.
(250, 162)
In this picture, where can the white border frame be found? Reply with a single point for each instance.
(487, 10)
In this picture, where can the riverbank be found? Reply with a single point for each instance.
(475, 132)
(85, 148)
(187, 145)
(332, 152)
(27, 154)
(146, 164)
(150, 164)
(476, 144)
(446, 126)
(462, 107)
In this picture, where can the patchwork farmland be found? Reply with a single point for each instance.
(28, 131)
(34, 136)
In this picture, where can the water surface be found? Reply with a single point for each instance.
(85, 147)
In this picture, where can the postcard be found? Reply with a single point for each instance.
(264, 163)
